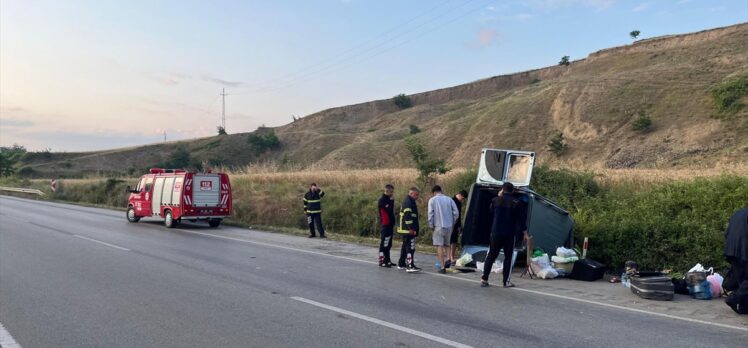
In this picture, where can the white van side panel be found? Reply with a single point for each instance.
(158, 187)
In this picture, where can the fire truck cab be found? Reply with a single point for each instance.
(175, 194)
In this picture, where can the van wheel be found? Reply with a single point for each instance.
(169, 220)
(214, 223)
(131, 215)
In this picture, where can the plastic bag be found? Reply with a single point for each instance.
(541, 266)
(559, 259)
(715, 282)
(464, 260)
(565, 253)
(701, 291)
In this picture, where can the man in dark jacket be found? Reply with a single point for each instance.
(386, 207)
(736, 249)
(409, 230)
(454, 239)
(509, 223)
(313, 210)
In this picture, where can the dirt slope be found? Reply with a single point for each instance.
(593, 102)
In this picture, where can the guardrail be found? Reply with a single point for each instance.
(22, 190)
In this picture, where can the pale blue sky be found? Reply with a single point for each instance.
(86, 75)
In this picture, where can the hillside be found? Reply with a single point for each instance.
(593, 102)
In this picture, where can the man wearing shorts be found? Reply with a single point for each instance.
(442, 215)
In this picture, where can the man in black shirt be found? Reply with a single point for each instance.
(387, 223)
(509, 222)
(458, 198)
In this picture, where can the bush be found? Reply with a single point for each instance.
(565, 187)
(642, 124)
(414, 129)
(9, 156)
(262, 141)
(221, 130)
(564, 61)
(673, 225)
(557, 145)
(402, 101)
(727, 95)
(634, 34)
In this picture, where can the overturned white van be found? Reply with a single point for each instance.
(550, 225)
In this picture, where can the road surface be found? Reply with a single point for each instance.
(73, 276)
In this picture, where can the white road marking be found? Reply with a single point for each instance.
(100, 242)
(383, 323)
(6, 340)
(635, 310)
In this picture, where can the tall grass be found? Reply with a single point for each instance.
(659, 218)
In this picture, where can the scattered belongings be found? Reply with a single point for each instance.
(541, 266)
(563, 261)
(652, 286)
(588, 270)
(698, 286)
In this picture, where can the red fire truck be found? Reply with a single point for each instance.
(175, 194)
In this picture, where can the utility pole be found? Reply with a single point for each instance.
(223, 109)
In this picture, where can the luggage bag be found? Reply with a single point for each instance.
(588, 270)
(652, 286)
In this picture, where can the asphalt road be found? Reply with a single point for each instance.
(77, 277)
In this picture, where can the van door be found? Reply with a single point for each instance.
(206, 191)
(500, 166)
(142, 198)
(158, 187)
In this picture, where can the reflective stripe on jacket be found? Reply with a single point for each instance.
(408, 216)
(313, 202)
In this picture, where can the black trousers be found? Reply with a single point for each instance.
(407, 251)
(498, 243)
(315, 219)
(739, 274)
(385, 244)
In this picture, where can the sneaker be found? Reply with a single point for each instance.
(508, 285)
(323, 236)
(447, 263)
(312, 236)
(443, 270)
(483, 283)
(412, 269)
(385, 264)
(401, 267)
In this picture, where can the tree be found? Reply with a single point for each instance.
(414, 129)
(426, 165)
(179, 159)
(263, 141)
(9, 156)
(221, 130)
(557, 145)
(634, 34)
(643, 123)
(402, 101)
(564, 61)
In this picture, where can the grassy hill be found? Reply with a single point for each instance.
(690, 86)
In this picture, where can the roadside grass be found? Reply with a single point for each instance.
(659, 218)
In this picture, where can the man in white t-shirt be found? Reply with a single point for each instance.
(442, 214)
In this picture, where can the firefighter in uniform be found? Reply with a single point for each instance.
(313, 210)
(386, 207)
(409, 230)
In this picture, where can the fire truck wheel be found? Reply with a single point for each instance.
(169, 220)
(131, 215)
(214, 223)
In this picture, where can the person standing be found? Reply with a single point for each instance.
(386, 207)
(457, 230)
(409, 230)
(736, 249)
(442, 215)
(509, 221)
(313, 210)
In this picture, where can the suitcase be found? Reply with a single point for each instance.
(652, 286)
(587, 270)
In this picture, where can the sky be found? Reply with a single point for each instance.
(91, 75)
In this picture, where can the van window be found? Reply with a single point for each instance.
(141, 184)
(148, 184)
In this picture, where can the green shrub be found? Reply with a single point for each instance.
(565, 187)
(642, 124)
(557, 144)
(674, 225)
(727, 95)
(414, 129)
(564, 61)
(426, 165)
(402, 101)
(262, 141)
